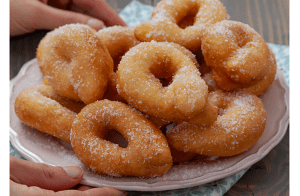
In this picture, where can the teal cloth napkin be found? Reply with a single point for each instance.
(135, 13)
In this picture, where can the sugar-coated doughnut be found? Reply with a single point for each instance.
(209, 113)
(177, 156)
(241, 122)
(41, 108)
(260, 87)
(146, 155)
(75, 62)
(180, 156)
(237, 54)
(171, 21)
(138, 81)
(158, 122)
(118, 40)
(256, 89)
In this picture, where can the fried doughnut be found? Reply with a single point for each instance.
(158, 122)
(138, 81)
(256, 89)
(209, 113)
(180, 156)
(75, 62)
(241, 123)
(118, 40)
(237, 55)
(260, 87)
(211, 83)
(41, 108)
(146, 155)
(177, 156)
(170, 15)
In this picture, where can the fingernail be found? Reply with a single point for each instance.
(95, 24)
(73, 171)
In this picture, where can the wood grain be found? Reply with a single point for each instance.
(270, 18)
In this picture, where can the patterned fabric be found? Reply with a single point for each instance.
(136, 13)
(282, 55)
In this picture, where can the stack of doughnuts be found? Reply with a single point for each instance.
(183, 84)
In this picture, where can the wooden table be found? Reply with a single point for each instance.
(270, 18)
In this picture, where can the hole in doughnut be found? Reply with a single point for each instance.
(163, 72)
(165, 81)
(242, 37)
(189, 19)
(186, 22)
(116, 63)
(65, 58)
(221, 111)
(116, 137)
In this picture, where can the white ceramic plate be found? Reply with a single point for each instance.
(42, 148)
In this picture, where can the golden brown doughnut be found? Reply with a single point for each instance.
(75, 62)
(256, 89)
(177, 156)
(237, 55)
(158, 122)
(180, 156)
(41, 108)
(146, 155)
(171, 21)
(260, 87)
(138, 81)
(241, 123)
(210, 82)
(209, 113)
(118, 40)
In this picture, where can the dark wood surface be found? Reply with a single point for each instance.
(270, 18)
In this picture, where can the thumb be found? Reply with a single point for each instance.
(51, 18)
(44, 176)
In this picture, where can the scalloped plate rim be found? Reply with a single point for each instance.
(161, 186)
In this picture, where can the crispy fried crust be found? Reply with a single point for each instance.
(146, 155)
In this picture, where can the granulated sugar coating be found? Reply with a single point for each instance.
(260, 87)
(238, 127)
(237, 55)
(163, 25)
(41, 108)
(75, 62)
(147, 153)
(138, 81)
(118, 40)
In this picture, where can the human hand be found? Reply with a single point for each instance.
(29, 15)
(36, 179)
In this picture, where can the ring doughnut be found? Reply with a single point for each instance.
(177, 156)
(118, 40)
(241, 123)
(236, 53)
(165, 23)
(158, 122)
(65, 52)
(138, 81)
(209, 114)
(146, 155)
(260, 87)
(256, 89)
(41, 108)
(180, 156)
